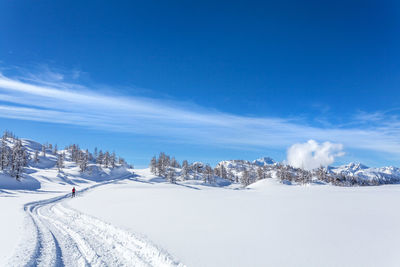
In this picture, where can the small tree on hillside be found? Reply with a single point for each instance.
(36, 156)
(60, 161)
(4, 153)
(185, 170)
(113, 160)
(245, 179)
(209, 174)
(43, 151)
(171, 175)
(153, 165)
(19, 160)
(99, 159)
(260, 173)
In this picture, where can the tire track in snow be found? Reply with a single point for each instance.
(57, 235)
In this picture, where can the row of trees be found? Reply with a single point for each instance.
(245, 176)
(167, 167)
(81, 157)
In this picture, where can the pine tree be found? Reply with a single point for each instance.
(260, 173)
(25, 158)
(280, 172)
(167, 162)
(185, 170)
(113, 160)
(95, 153)
(321, 174)
(245, 179)
(122, 161)
(153, 165)
(60, 161)
(106, 160)
(55, 150)
(4, 153)
(209, 174)
(223, 172)
(84, 161)
(18, 160)
(174, 163)
(217, 171)
(171, 175)
(99, 159)
(161, 165)
(44, 151)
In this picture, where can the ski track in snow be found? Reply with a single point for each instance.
(57, 235)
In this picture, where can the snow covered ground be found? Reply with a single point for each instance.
(269, 224)
(58, 236)
(146, 221)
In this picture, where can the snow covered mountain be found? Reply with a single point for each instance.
(356, 172)
(359, 170)
(349, 169)
(264, 161)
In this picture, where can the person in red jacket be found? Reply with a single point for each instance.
(73, 192)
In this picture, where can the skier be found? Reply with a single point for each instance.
(73, 192)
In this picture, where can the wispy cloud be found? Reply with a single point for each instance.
(48, 98)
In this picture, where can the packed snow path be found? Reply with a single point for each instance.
(61, 236)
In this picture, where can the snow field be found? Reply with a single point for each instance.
(269, 224)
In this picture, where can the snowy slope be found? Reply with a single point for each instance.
(44, 174)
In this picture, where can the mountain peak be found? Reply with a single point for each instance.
(354, 166)
(264, 161)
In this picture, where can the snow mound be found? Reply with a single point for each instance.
(26, 183)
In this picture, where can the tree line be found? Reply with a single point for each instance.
(169, 168)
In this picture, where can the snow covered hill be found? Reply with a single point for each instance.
(45, 166)
(37, 229)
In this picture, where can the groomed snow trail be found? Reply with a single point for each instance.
(57, 235)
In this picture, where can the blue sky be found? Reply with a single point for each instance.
(207, 80)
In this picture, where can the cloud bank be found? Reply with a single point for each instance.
(36, 98)
(311, 155)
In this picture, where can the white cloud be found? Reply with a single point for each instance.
(311, 155)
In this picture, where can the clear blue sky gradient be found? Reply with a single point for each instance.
(322, 63)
